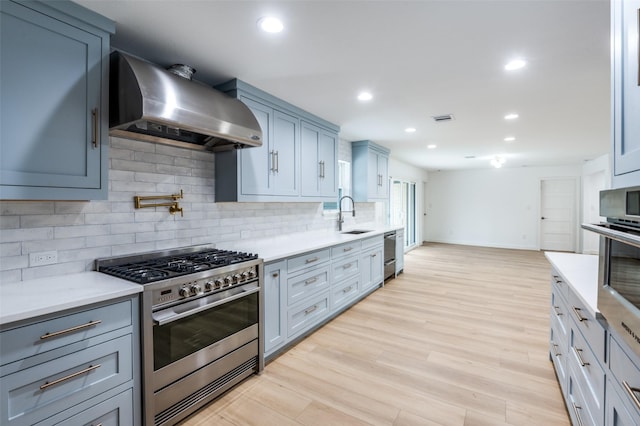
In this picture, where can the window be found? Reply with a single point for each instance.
(344, 184)
(403, 209)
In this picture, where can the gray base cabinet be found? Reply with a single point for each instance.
(296, 162)
(53, 101)
(76, 368)
(302, 292)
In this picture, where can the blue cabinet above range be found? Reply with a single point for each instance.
(296, 162)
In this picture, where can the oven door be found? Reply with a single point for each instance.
(193, 334)
(619, 281)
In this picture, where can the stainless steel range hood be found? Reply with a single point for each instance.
(150, 103)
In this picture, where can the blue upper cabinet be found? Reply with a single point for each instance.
(277, 171)
(319, 160)
(625, 19)
(370, 171)
(54, 72)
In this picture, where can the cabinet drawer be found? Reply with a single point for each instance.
(372, 241)
(304, 285)
(345, 249)
(116, 411)
(578, 406)
(558, 354)
(33, 394)
(559, 285)
(344, 268)
(625, 371)
(617, 412)
(308, 259)
(305, 315)
(592, 330)
(35, 339)
(560, 314)
(587, 373)
(342, 294)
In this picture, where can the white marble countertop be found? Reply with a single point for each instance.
(581, 272)
(28, 299)
(279, 247)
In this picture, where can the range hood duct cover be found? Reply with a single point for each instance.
(152, 104)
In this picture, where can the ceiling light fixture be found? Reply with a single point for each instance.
(365, 96)
(432, 146)
(410, 130)
(270, 24)
(515, 64)
(509, 139)
(497, 161)
(511, 116)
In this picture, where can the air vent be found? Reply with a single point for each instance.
(442, 118)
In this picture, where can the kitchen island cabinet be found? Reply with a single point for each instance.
(54, 101)
(73, 367)
(274, 171)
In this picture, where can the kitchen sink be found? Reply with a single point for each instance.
(357, 231)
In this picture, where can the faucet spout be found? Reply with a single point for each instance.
(353, 211)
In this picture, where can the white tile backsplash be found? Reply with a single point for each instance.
(82, 231)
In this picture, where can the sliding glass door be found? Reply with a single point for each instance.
(403, 209)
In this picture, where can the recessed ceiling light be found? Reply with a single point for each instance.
(410, 129)
(432, 146)
(509, 139)
(365, 96)
(270, 24)
(515, 64)
(511, 116)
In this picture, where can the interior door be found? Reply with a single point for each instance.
(558, 214)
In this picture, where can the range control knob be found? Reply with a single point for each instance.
(236, 278)
(244, 276)
(251, 273)
(183, 292)
(218, 283)
(195, 289)
(227, 280)
(208, 286)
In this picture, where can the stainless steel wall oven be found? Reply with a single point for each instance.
(201, 325)
(619, 268)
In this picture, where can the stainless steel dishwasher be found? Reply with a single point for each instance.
(389, 255)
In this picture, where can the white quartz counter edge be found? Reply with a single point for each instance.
(283, 246)
(29, 299)
(580, 271)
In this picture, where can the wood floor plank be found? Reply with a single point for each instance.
(460, 338)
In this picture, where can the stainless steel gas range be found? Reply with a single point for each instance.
(202, 329)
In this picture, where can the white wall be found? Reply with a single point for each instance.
(489, 207)
(596, 176)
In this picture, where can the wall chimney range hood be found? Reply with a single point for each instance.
(152, 104)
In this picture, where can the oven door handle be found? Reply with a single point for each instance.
(166, 316)
(622, 237)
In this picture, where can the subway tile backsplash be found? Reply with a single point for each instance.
(82, 231)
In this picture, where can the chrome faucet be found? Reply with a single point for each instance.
(353, 211)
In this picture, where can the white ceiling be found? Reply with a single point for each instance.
(418, 58)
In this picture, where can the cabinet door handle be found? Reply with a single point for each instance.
(632, 393)
(277, 162)
(557, 279)
(321, 166)
(557, 309)
(374, 254)
(70, 330)
(348, 289)
(311, 260)
(576, 311)
(576, 407)
(70, 376)
(274, 275)
(578, 352)
(94, 128)
(311, 309)
(310, 281)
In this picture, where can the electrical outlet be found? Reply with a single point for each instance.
(43, 258)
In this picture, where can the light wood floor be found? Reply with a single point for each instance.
(460, 338)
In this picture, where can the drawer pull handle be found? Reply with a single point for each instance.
(557, 309)
(311, 260)
(576, 407)
(632, 393)
(347, 266)
(578, 352)
(557, 279)
(311, 309)
(310, 281)
(578, 315)
(274, 275)
(70, 330)
(70, 376)
(347, 249)
(555, 350)
(348, 289)
(374, 254)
